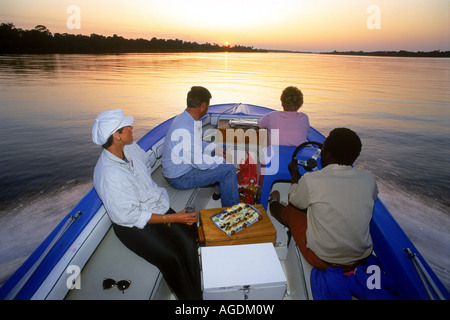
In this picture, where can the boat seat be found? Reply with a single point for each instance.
(276, 170)
(298, 273)
(178, 198)
(113, 260)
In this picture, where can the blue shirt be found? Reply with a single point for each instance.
(184, 149)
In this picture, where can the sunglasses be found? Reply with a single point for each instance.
(122, 285)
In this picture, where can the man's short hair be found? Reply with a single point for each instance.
(110, 140)
(196, 96)
(344, 146)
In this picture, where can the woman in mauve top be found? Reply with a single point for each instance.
(293, 126)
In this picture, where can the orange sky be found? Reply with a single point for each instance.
(304, 25)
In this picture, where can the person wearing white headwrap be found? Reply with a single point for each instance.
(140, 210)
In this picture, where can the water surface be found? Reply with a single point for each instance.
(398, 106)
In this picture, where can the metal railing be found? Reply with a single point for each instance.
(425, 278)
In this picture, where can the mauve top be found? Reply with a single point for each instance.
(293, 126)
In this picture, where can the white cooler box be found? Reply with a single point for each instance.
(242, 272)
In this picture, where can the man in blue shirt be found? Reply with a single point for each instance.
(187, 161)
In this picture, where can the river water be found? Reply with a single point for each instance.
(398, 106)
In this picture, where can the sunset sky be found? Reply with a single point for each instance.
(303, 25)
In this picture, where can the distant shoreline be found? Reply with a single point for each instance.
(41, 41)
(401, 53)
(381, 53)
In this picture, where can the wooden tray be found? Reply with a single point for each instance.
(259, 232)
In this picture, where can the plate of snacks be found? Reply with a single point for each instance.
(236, 218)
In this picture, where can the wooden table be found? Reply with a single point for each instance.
(260, 232)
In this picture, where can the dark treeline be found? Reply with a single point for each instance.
(401, 53)
(41, 40)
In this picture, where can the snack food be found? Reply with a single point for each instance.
(236, 218)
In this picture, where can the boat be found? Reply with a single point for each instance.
(82, 250)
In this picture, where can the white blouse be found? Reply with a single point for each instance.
(126, 188)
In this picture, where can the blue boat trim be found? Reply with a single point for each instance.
(89, 205)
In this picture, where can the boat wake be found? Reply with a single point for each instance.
(27, 224)
(425, 222)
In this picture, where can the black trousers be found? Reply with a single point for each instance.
(172, 249)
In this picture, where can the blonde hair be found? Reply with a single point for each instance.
(291, 99)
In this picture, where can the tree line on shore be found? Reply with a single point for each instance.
(40, 40)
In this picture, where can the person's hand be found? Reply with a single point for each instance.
(183, 217)
(224, 154)
(220, 152)
(293, 169)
